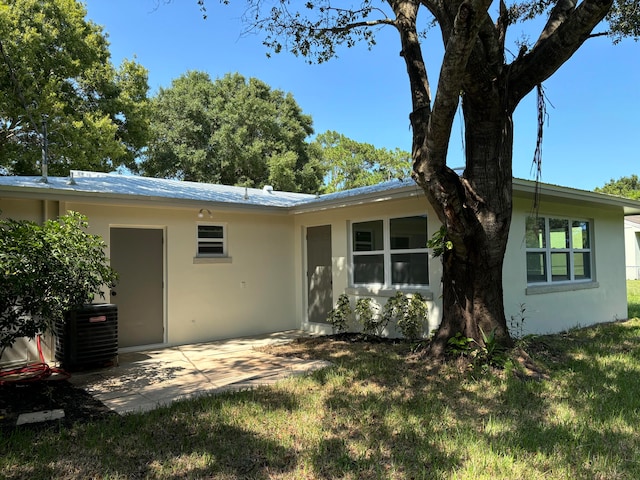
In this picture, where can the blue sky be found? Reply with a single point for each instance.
(592, 134)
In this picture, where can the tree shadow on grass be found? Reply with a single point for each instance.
(581, 423)
(380, 420)
(384, 413)
(186, 440)
(588, 416)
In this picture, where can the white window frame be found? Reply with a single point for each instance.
(386, 252)
(218, 241)
(547, 250)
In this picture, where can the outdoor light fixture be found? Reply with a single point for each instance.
(201, 213)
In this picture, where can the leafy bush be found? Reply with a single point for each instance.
(372, 324)
(409, 315)
(491, 352)
(439, 243)
(339, 315)
(412, 324)
(459, 344)
(46, 270)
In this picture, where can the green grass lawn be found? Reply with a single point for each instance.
(380, 412)
(633, 296)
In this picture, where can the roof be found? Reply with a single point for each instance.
(127, 188)
(582, 197)
(93, 187)
(633, 219)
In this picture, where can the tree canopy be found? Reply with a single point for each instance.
(55, 67)
(351, 164)
(479, 72)
(624, 187)
(232, 131)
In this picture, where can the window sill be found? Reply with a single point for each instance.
(563, 287)
(389, 292)
(202, 260)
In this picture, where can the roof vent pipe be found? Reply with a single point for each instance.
(45, 148)
(268, 189)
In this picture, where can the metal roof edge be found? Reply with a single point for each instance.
(322, 204)
(390, 190)
(629, 206)
(129, 200)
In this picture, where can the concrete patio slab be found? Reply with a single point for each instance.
(145, 380)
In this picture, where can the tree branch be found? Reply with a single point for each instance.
(502, 24)
(467, 24)
(565, 32)
(351, 26)
(558, 15)
(406, 15)
(314, 36)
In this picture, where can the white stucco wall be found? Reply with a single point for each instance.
(251, 294)
(340, 219)
(548, 309)
(560, 307)
(632, 249)
(263, 287)
(254, 293)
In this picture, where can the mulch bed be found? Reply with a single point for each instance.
(52, 394)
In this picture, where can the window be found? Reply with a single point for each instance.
(212, 241)
(558, 250)
(390, 252)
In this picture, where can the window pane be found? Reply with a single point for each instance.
(536, 237)
(582, 266)
(210, 248)
(559, 233)
(408, 232)
(210, 231)
(580, 234)
(368, 269)
(367, 236)
(559, 267)
(410, 269)
(536, 267)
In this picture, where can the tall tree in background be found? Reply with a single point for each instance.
(351, 164)
(232, 131)
(55, 66)
(623, 187)
(477, 69)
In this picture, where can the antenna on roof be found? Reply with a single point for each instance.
(45, 147)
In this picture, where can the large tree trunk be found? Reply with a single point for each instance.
(475, 209)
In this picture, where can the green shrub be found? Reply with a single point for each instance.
(372, 324)
(409, 314)
(46, 270)
(339, 315)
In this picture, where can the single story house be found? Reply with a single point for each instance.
(632, 246)
(201, 262)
